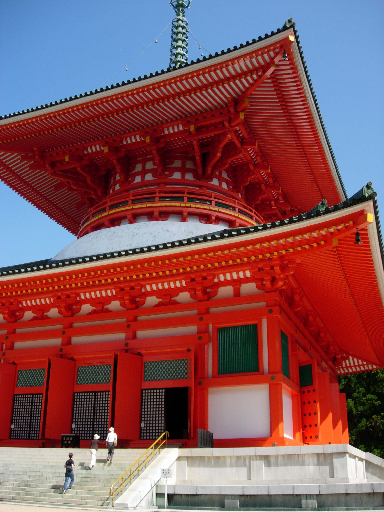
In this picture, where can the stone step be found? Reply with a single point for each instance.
(63, 500)
(35, 476)
(80, 494)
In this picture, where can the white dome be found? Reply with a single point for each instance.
(132, 236)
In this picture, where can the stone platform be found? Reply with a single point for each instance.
(322, 477)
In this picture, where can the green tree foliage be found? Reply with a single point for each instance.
(365, 406)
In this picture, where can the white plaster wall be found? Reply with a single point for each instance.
(237, 307)
(99, 322)
(162, 333)
(239, 412)
(85, 309)
(150, 302)
(41, 328)
(249, 289)
(224, 292)
(168, 315)
(184, 298)
(84, 340)
(115, 306)
(54, 313)
(19, 345)
(287, 414)
(28, 315)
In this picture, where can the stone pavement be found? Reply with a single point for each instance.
(10, 507)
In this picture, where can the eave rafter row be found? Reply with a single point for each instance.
(238, 257)
(199, 82)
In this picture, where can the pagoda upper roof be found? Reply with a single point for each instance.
(282, 116)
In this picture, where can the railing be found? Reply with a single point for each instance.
(182, 196)
(142, 462)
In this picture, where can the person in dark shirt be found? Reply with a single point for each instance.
(69, 473)
(93, 449)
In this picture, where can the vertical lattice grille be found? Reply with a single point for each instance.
(285, 354)
(90, 414)
(238, 349)
(26, 416)
(94, 374)
(29, 378)
(152, 413)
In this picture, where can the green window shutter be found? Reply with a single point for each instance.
(94, 374)
(238, 349)
(30, 378)
(306, 377)
(166, 370)
(285, 354)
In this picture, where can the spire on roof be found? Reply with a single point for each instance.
(179, 37)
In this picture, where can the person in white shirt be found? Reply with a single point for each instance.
(111, 443)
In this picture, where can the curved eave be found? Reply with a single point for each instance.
(283, 117)
(343, 281)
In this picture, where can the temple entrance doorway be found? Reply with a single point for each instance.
(90, 414)
(26, 416)
(164, 409)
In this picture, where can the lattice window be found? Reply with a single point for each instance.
(285, 353)
(166, 370)
(94, 374)
(28, 378)
(152, 413)
(26, 416)
(237, 349)
(90, 414)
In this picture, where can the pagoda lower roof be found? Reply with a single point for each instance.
(266, 81)
(339, 279)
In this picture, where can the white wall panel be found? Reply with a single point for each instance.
(239, 412)
(287, 414)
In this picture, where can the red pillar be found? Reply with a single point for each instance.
(274, 345)
(7, 386)
(336, 413)
(325, 412)
(128, 396)
(60, 398)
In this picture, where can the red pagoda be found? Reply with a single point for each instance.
(221, 279)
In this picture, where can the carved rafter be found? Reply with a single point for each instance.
(12, 310)
(131, 296)
(202, 287)
(67, 304)
(215, 154)
(243, 101)
(167, 296)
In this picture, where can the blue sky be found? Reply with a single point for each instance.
(55, 49)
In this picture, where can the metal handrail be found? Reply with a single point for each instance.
(134, 473)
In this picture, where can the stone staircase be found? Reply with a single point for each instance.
(35, 476)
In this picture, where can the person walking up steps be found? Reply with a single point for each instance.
(111, 443)
(93, 449)
(69, 473)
